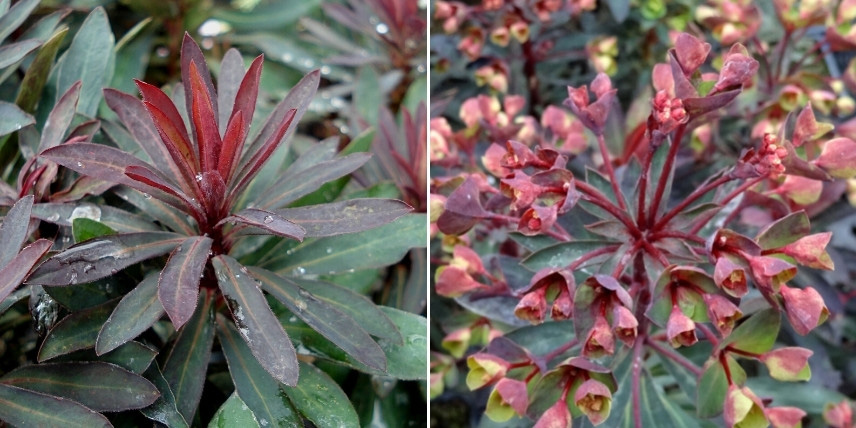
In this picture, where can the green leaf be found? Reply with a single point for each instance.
(21, 407)
(619, 8)
(757, 334)
(134, 314)
(336, 326)
(562, 254)
(364, 250)
(319, 399)
(78, 330)
(187, 362)
(233, 413)
(99, 386)
(85, 229)
(90, 59)
(411, 360)
(15, 16)
(13, 118)
(784, 231)
(713, 385)
(271, 15)
(368, 96)
(37, 74)
(290, 53)
(255, 386)
(255, 321)
(164, 409)
(132, 56)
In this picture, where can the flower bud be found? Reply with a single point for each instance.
(600, 341)
(594, 400)
(785, 417)
(507, 398)
(743, 408)
(485, 369)
(839, 415)
(680, 329)
(532, 306)
(624, 324)
(457, 342)
(722, 313)
(557, 416)
(804, 307)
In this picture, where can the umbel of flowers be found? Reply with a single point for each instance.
(650, 277)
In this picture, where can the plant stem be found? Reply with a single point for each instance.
(607, 163)
(698, 193)
(594, 196)
(637, 373)
(622, 262)
(643, 186)
(674, 356)
(742, 188)
(592, 254)
(514, 220)
(654, 252)
(664, 174)
(781, 48)
(676, 234)
(556, 352)
(708, 333)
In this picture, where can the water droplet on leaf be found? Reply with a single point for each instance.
(268, 219)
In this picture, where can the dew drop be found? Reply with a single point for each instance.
(329, 250)
(381, 28)
(325, 69)
(308, 62)
(268, 219)
(244, 269)
(88, 268)
(199, 177)
(287, 57)
(80, 164)
(73, 277)
(300, 304)
(300, 270)
(147, 196)
(53, 217)
(178, 249)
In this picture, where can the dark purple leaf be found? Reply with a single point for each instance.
(699, 106)
(63, 214)
(462, 210)
(100, 386)
(336, 326)
(13, 273)
(259, 157)
(233, 141)
(164, 409)
(60, 118)
(180, 149)
(102, 257)
(134, 314)
(367, 315)
(187, 362)
(86, 130)
(191, 54)
(154, 96)
(151, 178)
(77, 331)
(266, 220)
(298, 99)
(283, 192)
(138, 121)
(203, 115)
(245, 99)
(157, 210)
(258, 326)
(178, 287)
(105, 163)
(228, 82)
(21, 407)
(80, 188)
(349, 216)
(13, 230)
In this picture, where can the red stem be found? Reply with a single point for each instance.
(708, 333)
(698, 193)
(594, 196)
(674, 356)
(675, 234)
(742, 188)
(514, 220)
(607, 163)
(664, 174)
(552, 354)
(636, 392)
(592, 254)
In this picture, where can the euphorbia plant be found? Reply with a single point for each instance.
(198, 174)
(629, 279)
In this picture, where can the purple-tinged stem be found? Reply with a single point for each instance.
(674, 356)
(742, 188)
(607, 163)
(698, 193)
(637, 373)
(664, 175)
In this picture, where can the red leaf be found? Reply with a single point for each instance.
(178, 286)
(245, 99)
(155, 96)
(176, 144)
(13, 274)
(204, 118)
(690, 52)
(233, 142)
(148, 177)
(262, 154)
(838, 158)
(191, 54)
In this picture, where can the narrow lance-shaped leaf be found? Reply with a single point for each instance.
(163, 410)
(90, 58)
(191, 54)
(252, 167)
(21, 407)
(13, 274)
(232, 143)
(178, 287)
(102, 257)
(13, 118)
(228, 81)
(105, 163)
(203, 116)
(268, 221)
(354, 215)
(367, 315)
(136, 118)
(76, 331)
(31, 86)
(14, 52)
(151, 178)
(134, 314)
(255, 321)
(248, 92)
(63, 214)
(13, 230)
(308, 181)
(187, 362)
(254, 385)
(321, 400)
(60, 118)
(155, 97)
(116, 389)
(337, 327)
(15, 16)
(177, 145)
(234, 412)
(298, 99)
